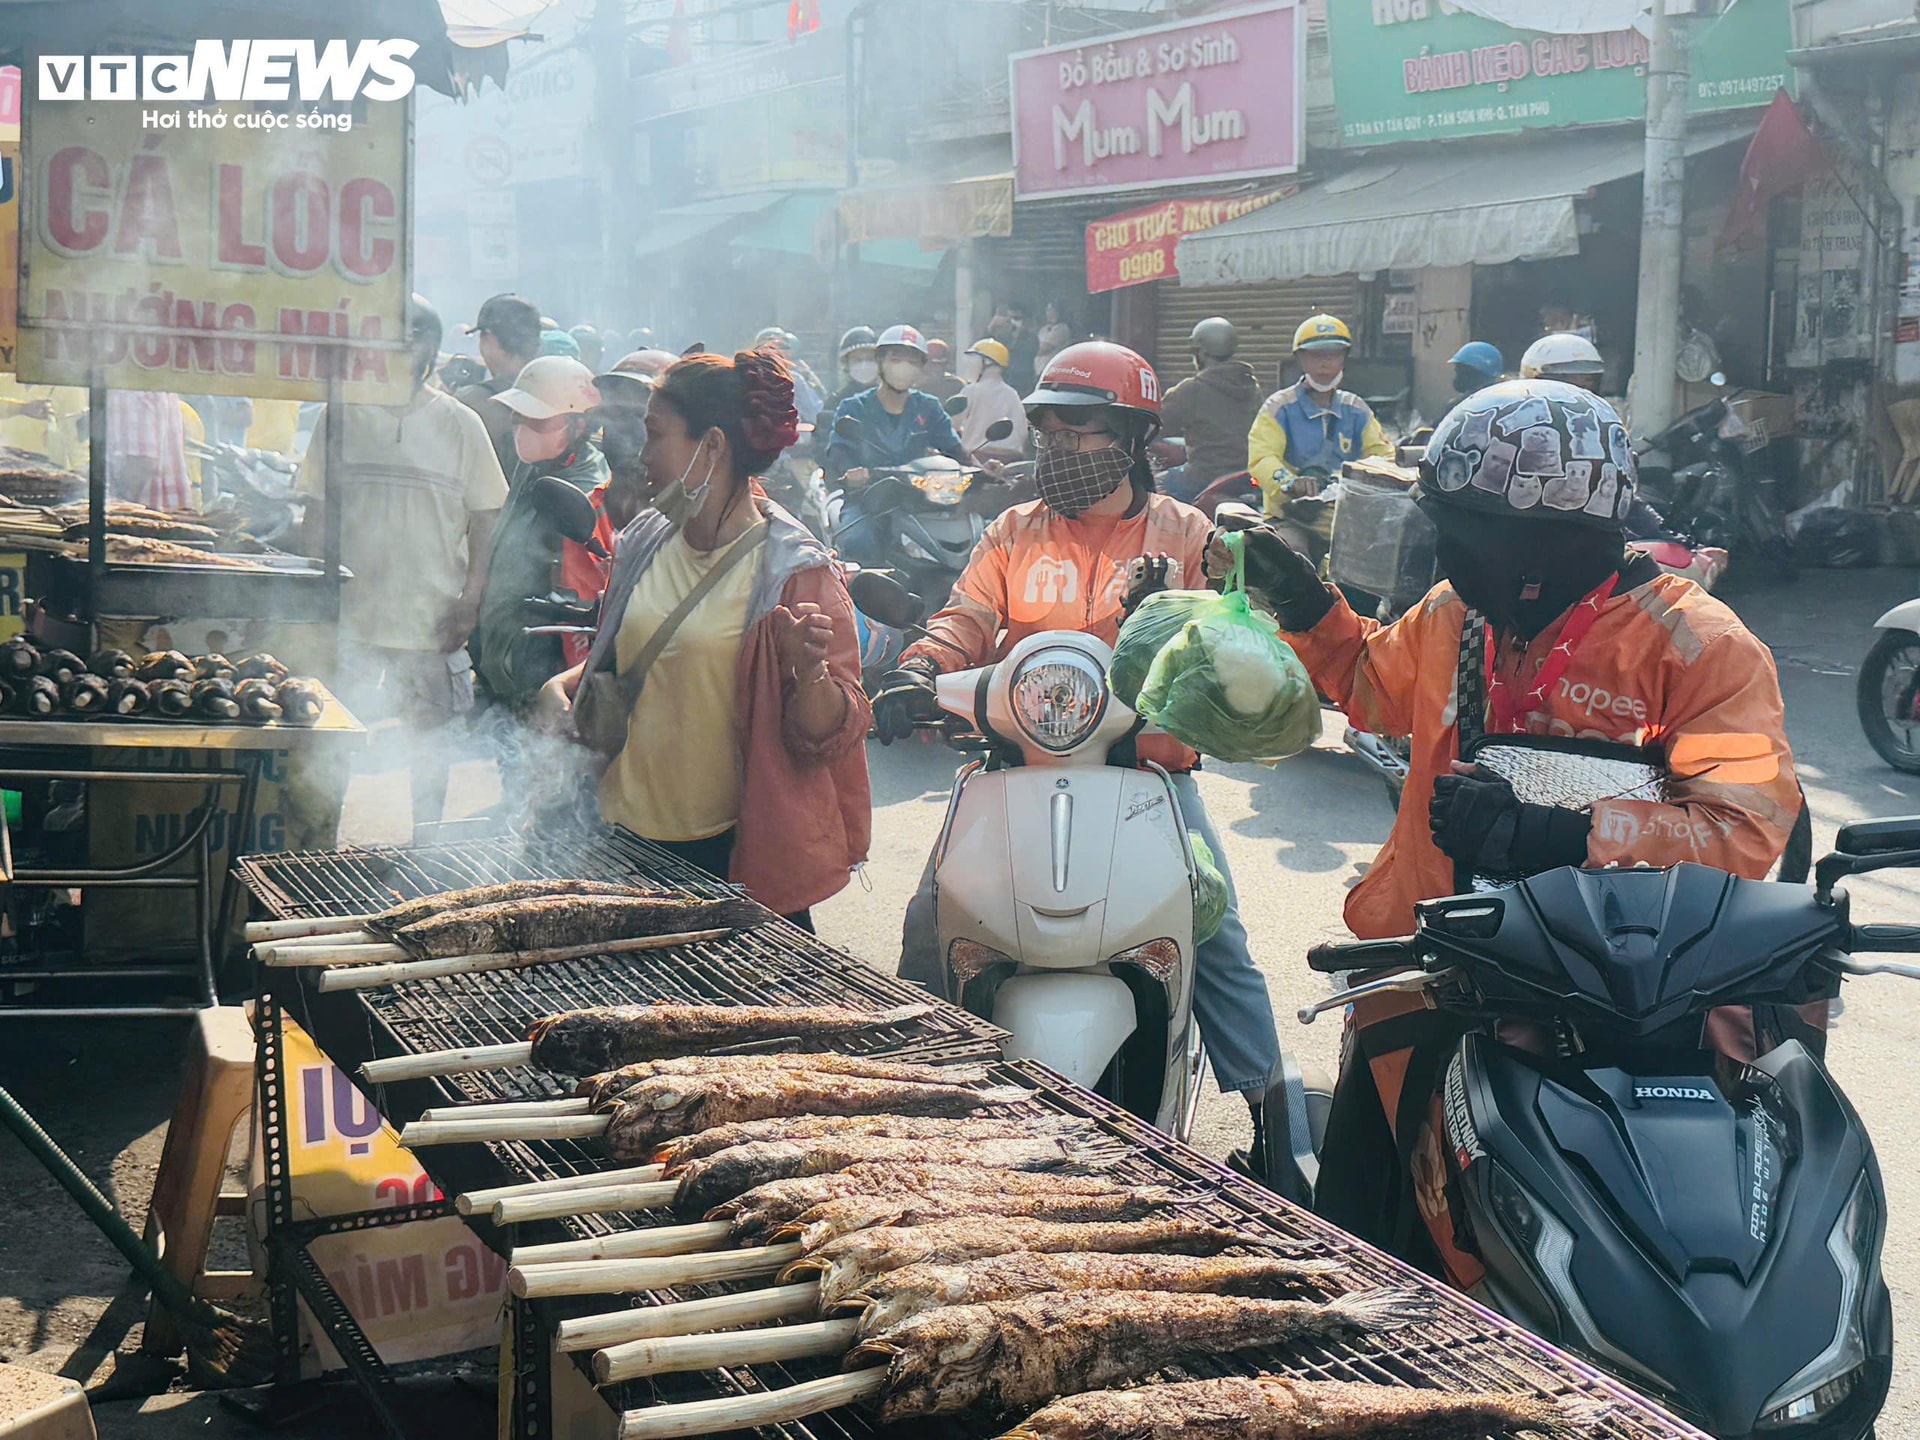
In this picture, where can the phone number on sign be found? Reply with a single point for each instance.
(1750, 85)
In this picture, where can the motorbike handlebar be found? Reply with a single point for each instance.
(1337, 955)
(1887, 939)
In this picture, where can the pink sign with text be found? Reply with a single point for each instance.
(1212, 99)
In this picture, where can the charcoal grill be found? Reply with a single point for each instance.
(1464, 1346)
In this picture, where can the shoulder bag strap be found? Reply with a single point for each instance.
(1470, 697)
(635, 675)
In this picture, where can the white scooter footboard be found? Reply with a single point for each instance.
(1073, 1020)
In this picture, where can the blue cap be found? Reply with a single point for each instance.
(1479, 355)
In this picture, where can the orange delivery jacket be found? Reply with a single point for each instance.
(1664, 664)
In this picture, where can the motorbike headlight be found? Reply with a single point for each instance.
(1830, 1377)
(1058, 697)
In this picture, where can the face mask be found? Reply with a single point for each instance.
(677, 502)
(534, 447)
(1328, 388)
(864, 372)
(1072, 482)
(971, 368)
(902, 374)
(622, 443)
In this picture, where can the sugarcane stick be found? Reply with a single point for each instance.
(447, 1062)
(699, 1239)
(481, 1202)
(514, 1127)
(610, 1199)
(674, 1354)
(746, 1412)
(578, 1105)
(259, 930)
(365, 977)
(689, 1317)
(627, 1277)
(283, 956)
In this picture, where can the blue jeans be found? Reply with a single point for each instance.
(1229, 993)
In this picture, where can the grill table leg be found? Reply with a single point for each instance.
(533, 1357)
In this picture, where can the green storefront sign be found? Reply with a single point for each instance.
(1419, 70)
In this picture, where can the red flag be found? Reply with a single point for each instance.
(803, 18)
(1783, 155)
(679, 37)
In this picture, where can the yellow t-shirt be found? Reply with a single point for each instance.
(678, 778)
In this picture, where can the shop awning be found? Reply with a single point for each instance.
(799, 225)
(1483, 205)
(669, 229)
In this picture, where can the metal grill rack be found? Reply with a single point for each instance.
(1464, 1346)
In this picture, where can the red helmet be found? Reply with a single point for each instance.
(1099, 374)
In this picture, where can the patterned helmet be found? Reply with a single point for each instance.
(1542, 449)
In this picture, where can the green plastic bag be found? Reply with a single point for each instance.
(1228, 685)
(1210, 900)
(1160, 617)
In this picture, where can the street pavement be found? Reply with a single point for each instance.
(1297, 836)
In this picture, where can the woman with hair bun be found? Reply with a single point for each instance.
(745, 747)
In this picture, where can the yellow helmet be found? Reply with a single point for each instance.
(993, 350)
(1323, 332)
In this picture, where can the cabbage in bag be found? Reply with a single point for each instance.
(1210, 900)
(1160, 617)
(1229, 686)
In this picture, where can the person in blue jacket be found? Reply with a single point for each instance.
(1476, 365)
(898, 423)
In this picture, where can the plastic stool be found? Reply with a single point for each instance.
(37, 1406)
(216, 1095)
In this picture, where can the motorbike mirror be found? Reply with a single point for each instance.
(1879, 837)
(1000, 430)
(883, 598)
(848, 428)
(954, 405)
(563, 507)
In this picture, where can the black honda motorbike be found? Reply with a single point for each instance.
(1713, 491)
(1709, 1231)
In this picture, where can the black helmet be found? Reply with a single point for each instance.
(1539, 449)
(1215, 338)
(423, 334)
(860, 337)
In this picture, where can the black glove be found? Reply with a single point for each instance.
(1148, 577)
(906, 699)
(1478, 821)
(1284, 580)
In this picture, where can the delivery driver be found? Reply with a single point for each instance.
(1062, 562)
(1306, 432)
(1548, 628)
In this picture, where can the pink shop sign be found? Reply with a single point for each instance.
(1213, 99)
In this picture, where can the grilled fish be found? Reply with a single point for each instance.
(35, 696)
(683, 1149)
(112, 664)
(213, 667)
(706, 1183)
(895, 1298)
(256, 701)
(84, 695)
(605, 1089)
(394, 919)
(586, 1042)
(214, 700)
(170, 698)
(785, 1201)
(260, 667)
(127, 697)
(1270, 1407)
(19, 656)
(165, 665)
(826, 1223)
(301, 701)
(551, 921)
(675, 1104)
(62, 667)
(847, 1265)
(1016, 1354)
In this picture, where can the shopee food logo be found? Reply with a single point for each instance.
(238, 70)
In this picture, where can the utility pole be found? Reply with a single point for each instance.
(1656, 331)
(613, 141)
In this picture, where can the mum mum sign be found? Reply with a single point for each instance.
(1212, 99)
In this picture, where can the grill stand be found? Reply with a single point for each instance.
(533, 1356)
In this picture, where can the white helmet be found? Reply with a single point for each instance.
(1554, 357)
(551, 385)
(905, 336)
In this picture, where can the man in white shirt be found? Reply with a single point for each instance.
(990, 398)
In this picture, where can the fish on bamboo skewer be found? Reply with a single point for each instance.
(825, 1223)
(395, 918)
(799, 1128)
(1272, 1407)
(555, 922)
(1016, 1354)
(847, 1265)
(899, 1295)
(667, 1105)
(590, 1041)
(605, 1090)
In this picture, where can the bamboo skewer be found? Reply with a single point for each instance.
(482, 1201)
(480, 1129)
(745, 1412)
(698, 1239)
(365, 977)
(331, 937)
(609, 1199)
(579, 1105)
(689, 1317)
(259, 930)
(672, 1354)
(447, 1062)
(368, 953)
(627, 1277)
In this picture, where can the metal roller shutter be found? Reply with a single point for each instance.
(1265, 316)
